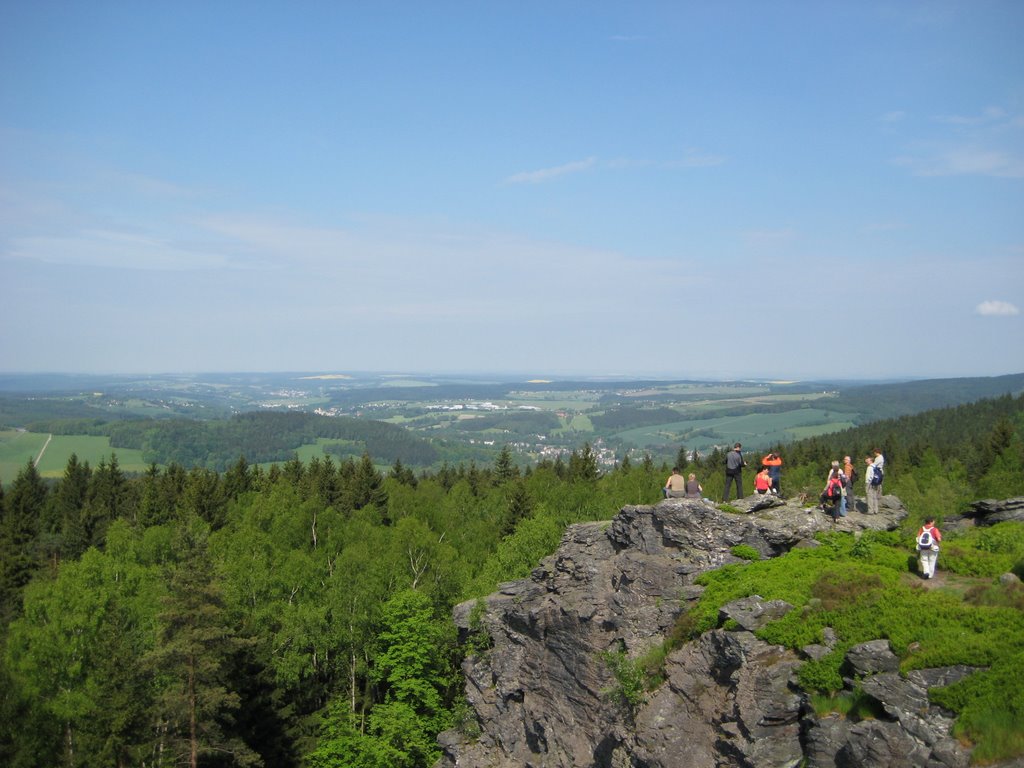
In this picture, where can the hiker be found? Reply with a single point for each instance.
(763, 482)
(693, 488)
(734, 465)
(832, 495)
(927, 540)
(849, 500)
(675, 486)
(774, 463)
(873, 480)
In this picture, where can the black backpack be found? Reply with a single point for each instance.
(877, 477)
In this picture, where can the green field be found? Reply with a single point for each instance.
(762, 428)
(16, 448)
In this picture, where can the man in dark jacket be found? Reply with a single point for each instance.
(734, 464)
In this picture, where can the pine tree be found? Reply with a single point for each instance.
(107, 499)
(682, 458)
(193, 653)
(238, 479)
(504, 468)
(402, 474)
(368, 488)
(19, 529)
(519, 506)
(583, 464)
(64, 523)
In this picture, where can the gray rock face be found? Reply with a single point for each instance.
(987, 512)
(542, 694)
(990, 511)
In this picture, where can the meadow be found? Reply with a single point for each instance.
(752, 428)
(17, 448)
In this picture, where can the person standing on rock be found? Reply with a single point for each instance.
(734, 465)
(675, 486)
(774, 463)
(851, 477)
(873, 481)
(928, 538)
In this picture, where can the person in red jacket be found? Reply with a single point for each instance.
(928, 538)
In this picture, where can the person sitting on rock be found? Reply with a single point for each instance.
(675, 486)
(693, 488)
(763, 482)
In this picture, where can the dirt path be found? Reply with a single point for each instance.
(945, 579)
(42, 450)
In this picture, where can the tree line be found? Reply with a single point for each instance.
(262, 438)
(299, 615)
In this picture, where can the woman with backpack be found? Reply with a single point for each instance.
(835, 486)
(928, 538)
(873, 480)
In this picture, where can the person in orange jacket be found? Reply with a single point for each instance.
(774, 464)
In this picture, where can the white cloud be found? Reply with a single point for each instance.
(996, 309)
(988, 116)
(966, 161)
(982, 144)
(546, 174)
(117, 250)
(893, 117)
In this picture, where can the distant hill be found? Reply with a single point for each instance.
(883, 401)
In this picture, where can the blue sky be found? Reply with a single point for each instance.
(715, 189)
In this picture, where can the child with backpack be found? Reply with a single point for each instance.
(927, 540)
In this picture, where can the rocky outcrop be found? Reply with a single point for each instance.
(988, 512)
(541, 694)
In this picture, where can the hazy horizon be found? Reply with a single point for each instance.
(480, 376)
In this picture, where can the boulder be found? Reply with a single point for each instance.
(990, 511)
(871, 657)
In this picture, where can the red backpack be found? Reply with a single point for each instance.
(835, 487)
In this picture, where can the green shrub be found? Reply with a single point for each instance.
(853, 705)
(990, 709)
(985, 551)
(478, 641)
(630, 679)
(854, 587)
(745, 552)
